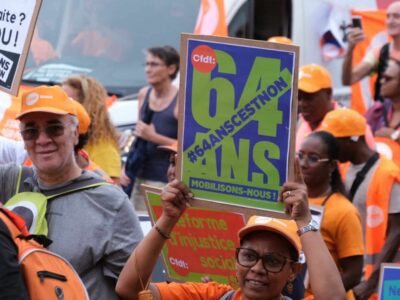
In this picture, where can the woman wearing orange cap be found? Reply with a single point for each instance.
(265, 261)
(341, 226)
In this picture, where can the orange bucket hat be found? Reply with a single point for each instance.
(285, 228)
(344, 122)
(50, 99)
(313, 78)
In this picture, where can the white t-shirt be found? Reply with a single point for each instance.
(360, 196)
(12, 151)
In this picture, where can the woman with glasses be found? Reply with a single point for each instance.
(157, 125)
(341, 225)
(265, 260)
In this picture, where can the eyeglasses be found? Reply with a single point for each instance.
(272, 262)
(312, 159)
(153, 64)
(52, 131)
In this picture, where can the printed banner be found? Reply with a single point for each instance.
(17, 20)
(203, 242)
(389, 282)
(236, 134)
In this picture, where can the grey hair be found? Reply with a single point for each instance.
(74, 121)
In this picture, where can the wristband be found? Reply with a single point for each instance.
(162, 233)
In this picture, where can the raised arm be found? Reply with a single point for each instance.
(350, 75)
(139, 267)
(324, 276)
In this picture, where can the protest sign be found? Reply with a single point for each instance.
(17, 21)
(389, 282)
(202, 243)
(238, 105)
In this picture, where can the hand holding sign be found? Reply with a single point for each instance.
(294, 195)
(175, 197)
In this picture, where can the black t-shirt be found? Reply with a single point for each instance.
(12, 285)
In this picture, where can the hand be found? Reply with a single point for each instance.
(294, 195)
(175, 196)
(384, 132)
(144, 131)
(355, 36)
(124, 180)
(362, 291)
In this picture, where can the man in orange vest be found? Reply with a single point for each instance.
(373, 183)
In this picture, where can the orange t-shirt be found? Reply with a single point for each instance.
(192, 290)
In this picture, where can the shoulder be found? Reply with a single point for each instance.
(142, 93)
(341, 206)
(191, 290)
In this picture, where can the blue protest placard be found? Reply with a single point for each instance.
(237, 120)
(389, 282)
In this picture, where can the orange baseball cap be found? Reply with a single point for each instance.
(285, 228)
(344, 122)
(280, 40)
(51, 99)
(83, 118)
(170, 148)
(313, 78)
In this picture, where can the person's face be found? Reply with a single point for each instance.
(51, 152)
(393, 19)
(172, 167)
(314, 162)
(156, 70)
(345, 149)
(256, 282)
(72, 92)
(390, 82)
(314, 106)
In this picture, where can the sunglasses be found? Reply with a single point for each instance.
(52, 131)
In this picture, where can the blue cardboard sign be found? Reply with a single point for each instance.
(238, 115)
(389, 282)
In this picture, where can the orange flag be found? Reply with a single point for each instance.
(211, 18)
(374, 26)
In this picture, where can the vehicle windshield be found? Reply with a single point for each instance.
(105, 39)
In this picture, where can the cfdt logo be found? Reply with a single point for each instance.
(204, 59)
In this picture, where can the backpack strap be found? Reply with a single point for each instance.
(360, 176)
(26, 172)
(228, 295)
(382, 65)
(75, 186)
(23, 174)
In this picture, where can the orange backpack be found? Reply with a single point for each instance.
(46, 274)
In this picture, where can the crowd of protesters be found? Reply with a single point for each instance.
(70, 144)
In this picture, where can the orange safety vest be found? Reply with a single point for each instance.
(389, 148)
(377, 205)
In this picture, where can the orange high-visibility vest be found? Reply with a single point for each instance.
(377, 205)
